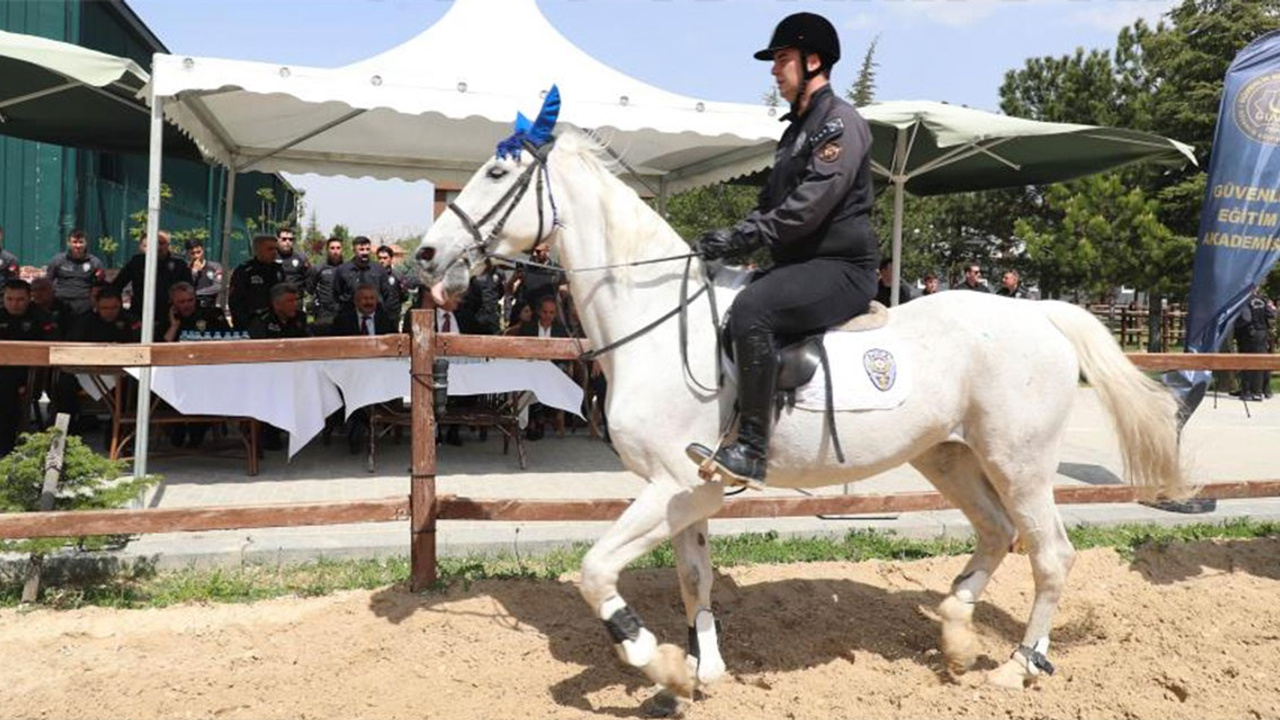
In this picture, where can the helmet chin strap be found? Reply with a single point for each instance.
(805, 76)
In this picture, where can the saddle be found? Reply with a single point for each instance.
(799, 357)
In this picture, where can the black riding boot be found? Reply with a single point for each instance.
(744, 461)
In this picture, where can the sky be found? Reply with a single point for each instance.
(951, 50)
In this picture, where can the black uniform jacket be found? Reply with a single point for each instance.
(819, 196)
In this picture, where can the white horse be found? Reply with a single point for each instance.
(994, 382)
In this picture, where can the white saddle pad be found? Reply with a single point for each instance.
(870, 370)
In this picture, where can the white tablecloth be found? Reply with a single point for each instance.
(298, 396)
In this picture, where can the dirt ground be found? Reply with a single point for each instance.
(1191, 631)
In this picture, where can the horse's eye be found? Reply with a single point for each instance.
(426, 254)
(496, 172)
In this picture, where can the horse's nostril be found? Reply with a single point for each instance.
(426, 254)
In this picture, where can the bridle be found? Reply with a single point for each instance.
(536, 174)
(481, 250)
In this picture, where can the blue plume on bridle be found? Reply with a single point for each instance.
(538, 132)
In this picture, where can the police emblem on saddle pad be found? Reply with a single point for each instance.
(870, 370)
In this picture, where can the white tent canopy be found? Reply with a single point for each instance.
(434, 107)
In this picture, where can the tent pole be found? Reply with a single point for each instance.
(224, 253)
(148, 289)
(899, 179)
(898, 191)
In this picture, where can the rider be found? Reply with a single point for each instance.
(814, 217)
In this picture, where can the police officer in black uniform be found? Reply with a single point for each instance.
(399, 285)
(169, 270)
(252, 281)
(207, 276)
(75, 272)
(357, 271)
(814, 217)
(320, 282)
(295, 265)
(1252, 329)
(20, 319)
(8, 263)
(186, 314)
(283, 319)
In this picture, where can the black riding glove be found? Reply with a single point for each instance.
(725, 242)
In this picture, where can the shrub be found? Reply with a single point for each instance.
(89, 482)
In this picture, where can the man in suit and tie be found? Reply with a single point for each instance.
(547, 324)
(363, 316)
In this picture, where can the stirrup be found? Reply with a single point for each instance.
(705, 458)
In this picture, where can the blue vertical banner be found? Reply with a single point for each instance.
(1239, 237)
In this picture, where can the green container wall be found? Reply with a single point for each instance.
(48, 190)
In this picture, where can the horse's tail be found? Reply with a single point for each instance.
(1144, 411)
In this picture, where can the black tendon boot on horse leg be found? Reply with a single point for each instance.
(744, 461)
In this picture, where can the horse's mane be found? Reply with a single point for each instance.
(634, 228)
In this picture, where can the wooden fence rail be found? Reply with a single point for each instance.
(452, 507)
(422, 507)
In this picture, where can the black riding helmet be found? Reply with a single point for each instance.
(808, 33)
(811, 34)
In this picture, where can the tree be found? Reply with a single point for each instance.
(863, 90)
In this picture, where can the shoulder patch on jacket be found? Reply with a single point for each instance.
(832, 129)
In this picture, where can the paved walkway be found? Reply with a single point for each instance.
(1221, 443)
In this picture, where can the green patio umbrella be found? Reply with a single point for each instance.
(56, 92)
(931, 148)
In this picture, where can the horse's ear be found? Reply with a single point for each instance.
(546, 120)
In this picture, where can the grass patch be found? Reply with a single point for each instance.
(141, 586)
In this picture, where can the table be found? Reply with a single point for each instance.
(298, 396)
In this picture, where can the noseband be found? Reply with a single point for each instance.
(537, 174)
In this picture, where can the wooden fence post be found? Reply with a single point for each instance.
(52, 474)
(422, 482)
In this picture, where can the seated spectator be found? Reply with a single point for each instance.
(363, 316)
(170, 269)
(74, 272)
(930, 284)
(283, 318)
(973, 279)
(186, 314)
(521, 317)
(206, 275)
(43, 297)
(548, 325)
(109, 322)
(253, 283)
(1011, 285)
(19, 320)
(884, 291)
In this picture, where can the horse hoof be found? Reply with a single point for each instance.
(1010, 676)
(669, 669)
(959, 644)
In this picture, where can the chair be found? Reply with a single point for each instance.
(495, 411)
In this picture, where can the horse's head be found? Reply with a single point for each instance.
(504, 209)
